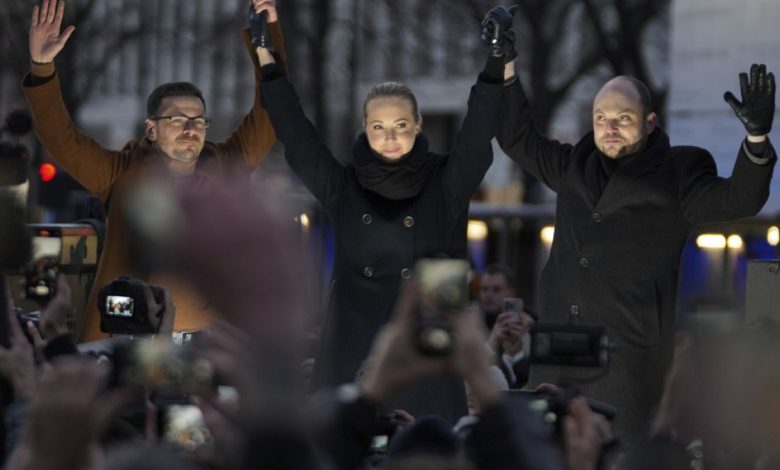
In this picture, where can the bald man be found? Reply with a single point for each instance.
(627, 202)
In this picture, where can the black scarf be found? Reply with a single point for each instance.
(401, 179)
(602, 167)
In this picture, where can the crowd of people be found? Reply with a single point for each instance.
(226, 380)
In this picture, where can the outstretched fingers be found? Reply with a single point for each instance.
(34, 19)
(51, 11)
(60, 14)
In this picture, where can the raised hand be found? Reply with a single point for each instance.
(758, 100)
(261, 12)
(17, 362)
(70, 410)
(46, 41)
(268, 6)
(497, 32)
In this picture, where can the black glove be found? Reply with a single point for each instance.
(258, 28)
(758, 100)
(497, 32)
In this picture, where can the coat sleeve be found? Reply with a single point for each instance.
(306, 154)
(252, 139)
(546, 159)
(705, 197)
(82, 157)
(472, 152)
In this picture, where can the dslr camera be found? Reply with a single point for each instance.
(443, 293)
(124, 309)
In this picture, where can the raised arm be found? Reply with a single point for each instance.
(254, 137)
(472, 153)
(81, 156)
(708, 198)
(544, 158)
(306, 154)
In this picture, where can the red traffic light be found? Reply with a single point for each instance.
(47, 171)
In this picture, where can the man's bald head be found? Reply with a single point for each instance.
(622, 117)
(630, 86)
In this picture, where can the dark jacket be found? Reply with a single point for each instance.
(378, 239)
(615, 255)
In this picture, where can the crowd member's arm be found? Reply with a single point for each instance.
(705, 196)
(54, 338)
(17, 365)
(397, 364)
(86, 160)
(307, 155)
(584, 434)
(69, 411)
(255, 135)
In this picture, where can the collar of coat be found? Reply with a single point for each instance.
(647, 161)
(401, 179)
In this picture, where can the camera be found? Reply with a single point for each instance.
(40, 274)
(569, 345)
(162, 367)
(444, 292)
(551, 406)
(123, 307)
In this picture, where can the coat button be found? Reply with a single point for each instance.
(406, 273)
(368, 271)
(596, 217)
(408, 221)
(366, 218)
(574, 310)
(584, 262)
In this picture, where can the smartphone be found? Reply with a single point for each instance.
(41, 272)
(182, 426)
(513, 305)
(443, 292)
(443, 283)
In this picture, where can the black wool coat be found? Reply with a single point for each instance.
(377, 239)
(615, 256)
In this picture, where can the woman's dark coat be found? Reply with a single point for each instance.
(378, 239)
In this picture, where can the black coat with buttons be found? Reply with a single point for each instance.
(378, 239)
(615, 256)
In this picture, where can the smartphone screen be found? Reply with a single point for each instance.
(183, 426)
(513, 304)
(46, 247)
(379, 444)
(443, 283)
(41, 274)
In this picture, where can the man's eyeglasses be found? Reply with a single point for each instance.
(181, 121)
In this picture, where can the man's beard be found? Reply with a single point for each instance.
(632, 149)
(187, 154)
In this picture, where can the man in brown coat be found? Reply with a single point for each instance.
(173, 146)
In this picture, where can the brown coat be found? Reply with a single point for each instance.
(108, 173)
